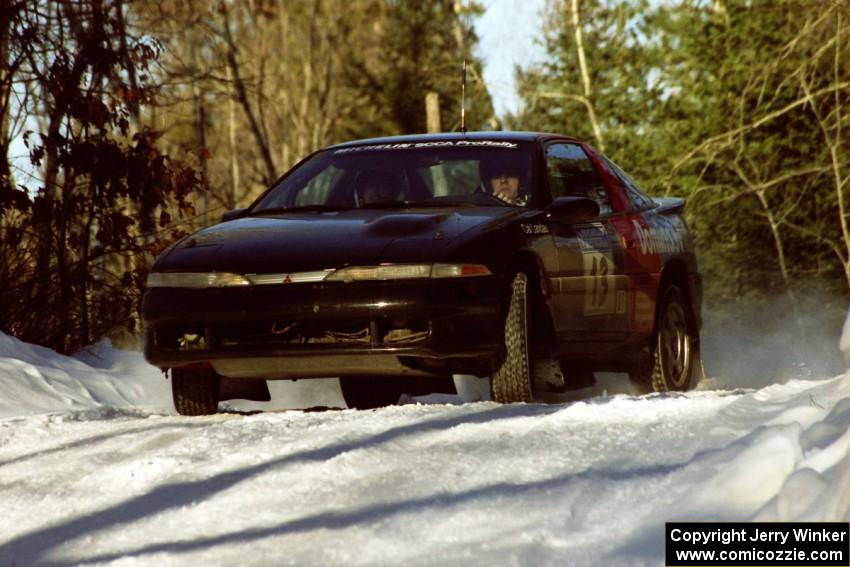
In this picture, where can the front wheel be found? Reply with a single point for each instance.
(195, 390)
(512, 379)
(674, 359)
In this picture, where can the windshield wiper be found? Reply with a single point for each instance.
(300, 209)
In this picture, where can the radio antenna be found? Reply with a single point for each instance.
(462, 30)
(463, 98)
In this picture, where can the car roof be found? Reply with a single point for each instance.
(505, 136)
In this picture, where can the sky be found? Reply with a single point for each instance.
(508, 33)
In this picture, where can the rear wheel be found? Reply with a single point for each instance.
(673, 363)
(512, 380)
(195, 390)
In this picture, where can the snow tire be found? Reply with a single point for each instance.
(195, 390)
(513, 378)
(674, 361)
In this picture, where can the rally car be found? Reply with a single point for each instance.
(395, 263)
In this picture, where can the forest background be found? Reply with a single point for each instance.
(125, 124)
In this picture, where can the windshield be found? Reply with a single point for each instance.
(439, 173)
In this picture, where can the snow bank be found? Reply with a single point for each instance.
(35, 379)
(583, 482)
(819, 487)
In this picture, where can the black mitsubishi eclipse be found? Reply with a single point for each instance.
(394, 263)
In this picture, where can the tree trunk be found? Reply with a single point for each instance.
(780, 249)
(201, 141)
(585, 77)
(242, 95)
(432, 112)
(5, 89)
(231, 142)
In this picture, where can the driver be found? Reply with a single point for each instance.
(378, 186)
(502, 180)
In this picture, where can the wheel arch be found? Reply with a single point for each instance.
(675, 272)
(531, 264)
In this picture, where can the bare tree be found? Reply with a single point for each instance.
(830, 121)
(806, 82)
(98, 183)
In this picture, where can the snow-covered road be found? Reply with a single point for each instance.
(111, 476)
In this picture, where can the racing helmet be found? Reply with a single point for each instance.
(377, 185)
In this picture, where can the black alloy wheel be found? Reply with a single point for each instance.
(674, 359)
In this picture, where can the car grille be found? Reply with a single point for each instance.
(365, 332)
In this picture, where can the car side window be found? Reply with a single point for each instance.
(570, 172)
(638, 200)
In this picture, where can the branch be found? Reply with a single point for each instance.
(242, 95)
(731, 134)
(821, 240)
(587, 104)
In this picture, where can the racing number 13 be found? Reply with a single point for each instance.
(599, 283)
(599, 268)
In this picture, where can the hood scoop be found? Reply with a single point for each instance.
(404, 224)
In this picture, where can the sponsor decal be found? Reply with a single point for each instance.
(434, 144)
(534, 228)
(659, 240)
(593, 238)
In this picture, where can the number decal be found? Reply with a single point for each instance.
(598, 259)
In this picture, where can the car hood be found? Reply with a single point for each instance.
(314, 241)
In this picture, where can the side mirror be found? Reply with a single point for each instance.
(232, 215)
(572, 209)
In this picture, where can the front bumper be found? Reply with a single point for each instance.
(416, 327)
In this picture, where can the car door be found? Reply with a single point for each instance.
(589, 287)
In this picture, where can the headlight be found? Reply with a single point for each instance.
(408, 271)
(196, 279)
